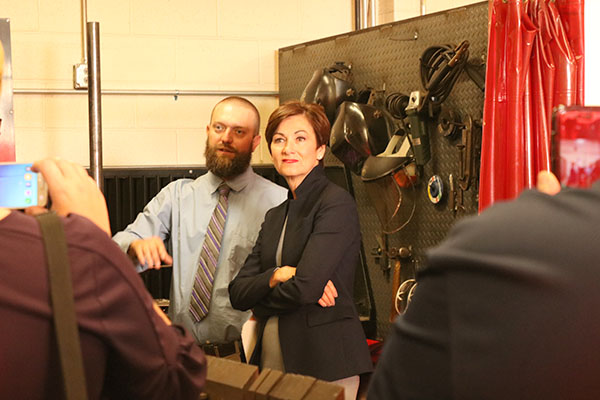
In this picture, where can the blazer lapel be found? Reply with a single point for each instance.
(271, 237)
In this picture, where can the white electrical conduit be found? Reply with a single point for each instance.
(83, 30)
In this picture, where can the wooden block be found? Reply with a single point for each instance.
(209, 360)
(262, 391)
(227, 379)
(250, 394)
(322, 390)
(292, 387)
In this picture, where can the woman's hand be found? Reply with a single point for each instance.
(281, 275)
(329, 295)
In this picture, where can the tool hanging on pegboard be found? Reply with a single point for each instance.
(404, 281)
(449, 124)
(370, 144)
(330, 87)
(380, 255)
(358, 132)
(397, 262)
(440, 67)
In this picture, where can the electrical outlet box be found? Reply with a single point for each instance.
(80, 76)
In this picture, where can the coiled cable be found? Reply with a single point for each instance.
(396, 105)
(440, 68)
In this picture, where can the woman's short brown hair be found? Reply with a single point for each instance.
(314, 113)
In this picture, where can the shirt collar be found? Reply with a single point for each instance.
(306, 186)
(236, 184)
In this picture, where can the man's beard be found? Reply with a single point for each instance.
(225, 167)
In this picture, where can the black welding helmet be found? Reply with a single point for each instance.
(389, 179)
(359, 131)
(330, 87)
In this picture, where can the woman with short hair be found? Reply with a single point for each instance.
(299, 278)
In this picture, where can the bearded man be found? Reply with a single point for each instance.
(181, 212)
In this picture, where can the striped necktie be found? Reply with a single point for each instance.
(209, 256)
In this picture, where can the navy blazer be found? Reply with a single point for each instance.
(322, 240)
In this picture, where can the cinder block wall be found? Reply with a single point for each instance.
(151, 44)
(169, 45)
(396, 10)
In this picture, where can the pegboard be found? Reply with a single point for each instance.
(386, 58)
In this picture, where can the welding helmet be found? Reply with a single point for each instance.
(359, 131)
(389, 178)
(329, 87)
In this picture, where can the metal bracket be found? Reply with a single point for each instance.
(380, 254)
(418, 128)
(80, 76)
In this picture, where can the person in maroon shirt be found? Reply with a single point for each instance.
(130, 348)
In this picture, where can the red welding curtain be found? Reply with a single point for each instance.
(535, 62)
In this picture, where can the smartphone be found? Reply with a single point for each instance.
(576, 145)
(20, 187)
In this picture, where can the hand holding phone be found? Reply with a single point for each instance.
(72, 190)
(21, 187)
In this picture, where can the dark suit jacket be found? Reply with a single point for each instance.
(322, 241)
(506, 308)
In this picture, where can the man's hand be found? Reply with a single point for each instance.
(329, 295)
(281, 275)
(548, 183)
(72, 190)
(150, 252)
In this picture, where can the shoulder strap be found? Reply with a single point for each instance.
(61, 300)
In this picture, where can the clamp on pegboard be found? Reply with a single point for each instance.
(404, 281)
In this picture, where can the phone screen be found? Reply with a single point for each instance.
(18, 186)
(577, 145)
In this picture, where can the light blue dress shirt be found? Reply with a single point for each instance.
(181, 211)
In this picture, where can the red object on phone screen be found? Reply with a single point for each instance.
(576, 145)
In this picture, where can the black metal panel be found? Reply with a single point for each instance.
(388, 57)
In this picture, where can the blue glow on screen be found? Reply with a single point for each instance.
(18, 186)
